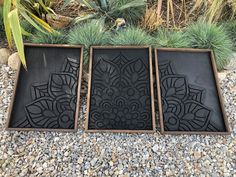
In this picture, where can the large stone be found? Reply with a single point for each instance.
(14, 61)
(4, 55)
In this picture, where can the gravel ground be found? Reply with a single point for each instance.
(106, 154)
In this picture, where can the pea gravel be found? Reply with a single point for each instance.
(107, 154)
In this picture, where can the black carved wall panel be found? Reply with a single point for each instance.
(120, 90)
(190, 101)
(46, 94)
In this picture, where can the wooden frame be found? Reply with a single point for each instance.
(221, 101)
(151, 90)
(78, 91)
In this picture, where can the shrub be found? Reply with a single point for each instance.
(208, 35)
(132, 14)
(170, 38)
(230, 28)
(49, 38)
(132, 36)
(91, 33)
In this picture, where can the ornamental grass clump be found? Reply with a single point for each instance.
(132, 36)
(209, 35)
(170, 38)
(49, 38)
(27, 26)
(230, 28)
(90, 33)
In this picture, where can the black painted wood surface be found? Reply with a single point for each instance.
(46, 94)
(120, 90)
(190, 101)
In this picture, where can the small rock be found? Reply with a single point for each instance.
(120, 167)
(93, 161)
(80, 160)
(87, 165)
(155, 148)
(14, 61)
(120, 172)
(4, 55)
(10, 152)
(40, 169)
(111, 163)
(222, 75)
(56, 139)
(24, 172)
(197, 155)
(45, 165)
(66, 153)
(106, 172)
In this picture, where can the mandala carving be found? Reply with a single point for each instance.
(182, 103)
(120, 94)
(53, 103)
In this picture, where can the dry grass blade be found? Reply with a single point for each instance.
(151, 20)
(172, 11)
(198, 4)
(233, 6)
(215, 10)
(159, 6)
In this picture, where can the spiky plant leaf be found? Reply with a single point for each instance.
(170, 38)
(132, 36)
(17, 35)
(210, 36)
(130, 10)
(49, 38)
(6, 11)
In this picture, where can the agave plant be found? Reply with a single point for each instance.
(130, 10)
(13, 11)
